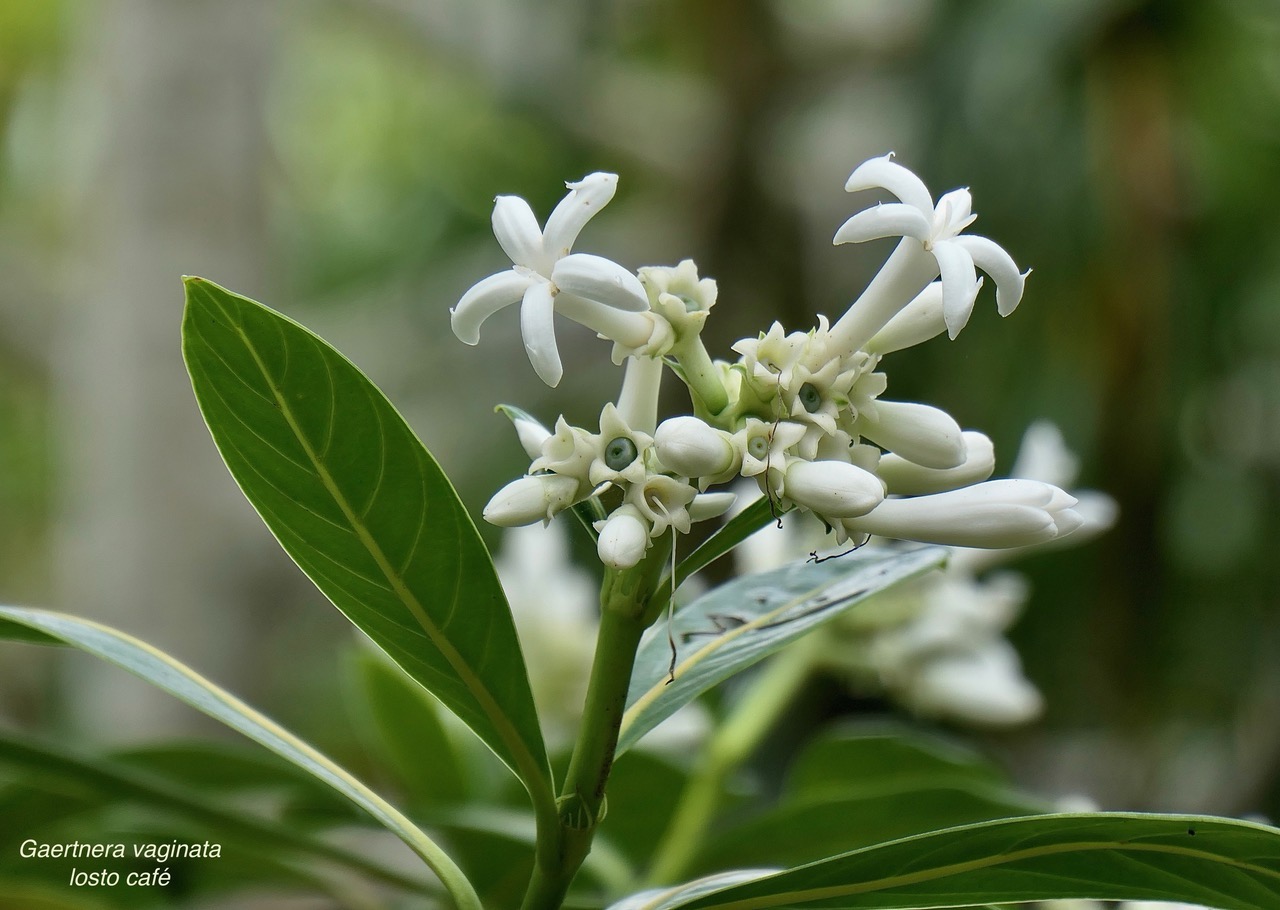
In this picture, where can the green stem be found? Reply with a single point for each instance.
(623, 601)
(734, 741)
(701, 374)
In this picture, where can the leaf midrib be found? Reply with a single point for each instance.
(530, 769)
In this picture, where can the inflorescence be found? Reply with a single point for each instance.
(801, 413)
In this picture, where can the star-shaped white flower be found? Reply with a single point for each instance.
(938, 229)
(546, 278)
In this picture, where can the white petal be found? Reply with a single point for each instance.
(992, 259)
(925, 435)
(601, 280)
(959, 285)
(711, 505)
(954, 213)
(485, 298)
(516, 228)
(895, 178)
(537, 325)
(530, 499)
(586, 197)
(890, 219)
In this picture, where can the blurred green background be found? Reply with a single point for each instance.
(338, 160)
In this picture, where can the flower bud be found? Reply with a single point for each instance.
(832, 489)
(537, 497)
(925, 435)
(691, 448)
(996, 514)
(624, 536)
(711, 505)
(908, 478)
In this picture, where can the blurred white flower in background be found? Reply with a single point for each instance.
(555, 604)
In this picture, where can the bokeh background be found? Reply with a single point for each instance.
(338, 161)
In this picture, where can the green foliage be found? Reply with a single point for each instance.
(168, 674)
(734, 626)
(1105, 856)
(365, 511)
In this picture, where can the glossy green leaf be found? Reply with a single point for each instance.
(1213, 862)
(365, 511)
(739, 623)
(163, 671)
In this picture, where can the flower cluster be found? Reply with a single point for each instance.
(800, 413)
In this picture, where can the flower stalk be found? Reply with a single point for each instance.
(624, 599)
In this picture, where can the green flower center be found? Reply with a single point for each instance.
(758, 447)
(810, 397)
(619, 453)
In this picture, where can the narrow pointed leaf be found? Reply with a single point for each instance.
(1213, 862)
(365, 511)
(181, 681)
(746, 620)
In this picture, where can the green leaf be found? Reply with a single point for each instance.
(813, 827)
(744, 621)
(729, 535)
(404, 723)
(365, 511)
(884, 755)
(1214, 862)
(163, 671)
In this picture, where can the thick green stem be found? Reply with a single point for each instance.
(734, 741)
(623, 601)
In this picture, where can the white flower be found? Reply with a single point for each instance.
(619, 455)
(932, 244)
(680, 296)
(764, 447)
(554, 606)
(537, 497)
(995, 514)
(546, 278)
(664, 503)
(983, 686)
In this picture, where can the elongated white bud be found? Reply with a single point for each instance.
(534, 498)
(996, 514)
(832, 489)
(624, 536)
(691, 448)
(925, 435)
(908, 478)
